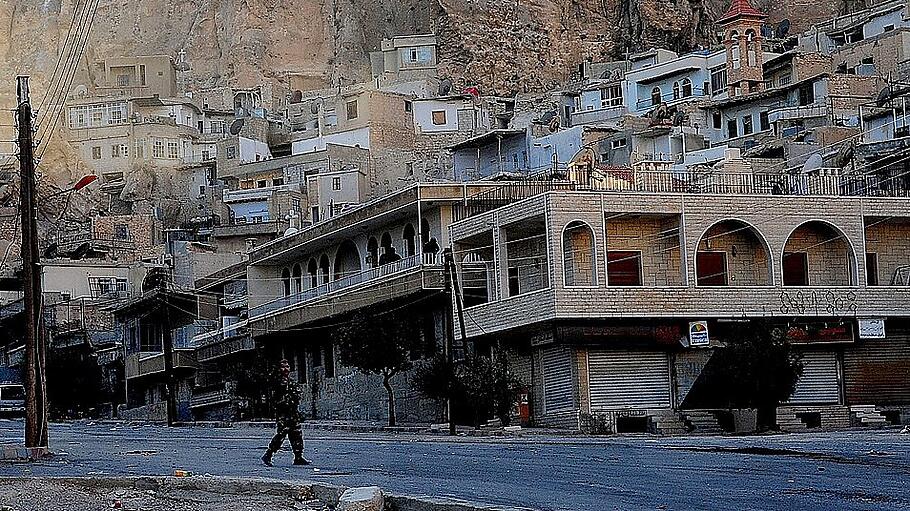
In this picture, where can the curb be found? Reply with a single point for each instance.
(327, 494)
(16, 453)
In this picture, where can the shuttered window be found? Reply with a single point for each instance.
(628, 379)
(877, 371)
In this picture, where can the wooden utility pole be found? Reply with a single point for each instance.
(170, 379)
(35, 388)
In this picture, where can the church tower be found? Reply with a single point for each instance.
(742, 38)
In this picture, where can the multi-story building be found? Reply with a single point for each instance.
(619, 273)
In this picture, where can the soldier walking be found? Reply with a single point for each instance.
(287, 418)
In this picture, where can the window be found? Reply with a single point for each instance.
(413, 55)
(623, 268)
(116, 116)
(172, 150)
(718, 80)
(123, 80)
(439, 117)
(278, 181)
(315, 213)
(717, 120)
(140, 149)
(408, 106)
(336, 183)
(352, 109)
(751, 57)
(871, 269)
(96, 153)
(732, 129)
(115, 151)
(611, 96)
(262, 183)
(796, 269)
(888, 28)
(206, 155)
(201, 190)
(711, 268)
(655, 96)
(158, 149)
(286, 281)
(231, 152)
(734, 50)
(578, 255)
(124, 150)
(514, 283)
(121, 232)
(806, 95)
(675, 90)
(97, 115)
(686, 87)
(764, 123)
(142, 74)
(617, 144)
(785, 79)
(747, 124)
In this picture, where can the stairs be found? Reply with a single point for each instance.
(702, 422)
(788, 421)
(667, 423)
(867, 415)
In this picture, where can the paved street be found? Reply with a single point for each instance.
(860, 470)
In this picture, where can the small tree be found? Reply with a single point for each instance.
(758, 368)
(379, 344)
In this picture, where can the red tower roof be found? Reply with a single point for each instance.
(741, 9)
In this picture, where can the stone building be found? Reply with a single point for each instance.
(618, 276)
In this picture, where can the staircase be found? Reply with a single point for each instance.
(702, 422)
(788, 421)
(667, 423)
(867, 415)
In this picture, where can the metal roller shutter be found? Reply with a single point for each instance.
(557, 380)
(877, 371)
(818, 383)
(628, 379)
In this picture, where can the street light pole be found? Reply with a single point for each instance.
(35, 387)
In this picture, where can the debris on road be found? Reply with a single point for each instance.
(367, 498)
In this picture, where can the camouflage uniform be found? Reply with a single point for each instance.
(287, 418)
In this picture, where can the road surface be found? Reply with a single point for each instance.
(861, 470)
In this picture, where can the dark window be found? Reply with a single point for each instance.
(747, 124)
(686, 87)
(121, 232)
(718, 120)
(316, 353)
(514, 288)
(623, 268)
(796, 269)
(871, 269)
(655, 96)
(806, 95)
(352, 109)
(301, 367)
(732, 129)
(718, 80)
(763, 122)
(712, 268)
(407, 106)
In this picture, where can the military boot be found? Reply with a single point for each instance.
(267, 458)
(300, 460)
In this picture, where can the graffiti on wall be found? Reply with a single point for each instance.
(818, 302)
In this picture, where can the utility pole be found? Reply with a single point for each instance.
(35, 389)
(167, 348)
(448, 262)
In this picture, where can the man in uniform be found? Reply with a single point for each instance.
(287, 417)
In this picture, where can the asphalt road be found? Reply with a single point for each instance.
(861, 470)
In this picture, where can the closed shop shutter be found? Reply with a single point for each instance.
(877, 371)
(557, 379)
(818, 383)
(628, 379)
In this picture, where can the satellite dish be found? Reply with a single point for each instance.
(236, 126)
(783, 28)
(182, 66)
(767, 31)
(546, 117)
(80, 91)
(883, 96)
(814, 162)
(445, 87)
(554, 125)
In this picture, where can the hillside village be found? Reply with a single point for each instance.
(595, 230)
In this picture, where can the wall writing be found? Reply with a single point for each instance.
(818, 302)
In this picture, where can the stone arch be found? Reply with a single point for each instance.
(676, 90)
(347, 260)
(286, 281)
(579, 258)
(324, 269)
(733, 252)
(686, 87)
(818, 253)
(297, 275)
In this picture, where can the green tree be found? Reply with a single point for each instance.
(757, 368)
(380, 344)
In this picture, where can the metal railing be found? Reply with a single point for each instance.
(508, 193)
(345, 282)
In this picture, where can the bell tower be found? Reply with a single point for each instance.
(742, 38)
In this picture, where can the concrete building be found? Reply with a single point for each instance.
(617, 277)
(404, 58)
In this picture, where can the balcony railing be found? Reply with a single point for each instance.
(797, 111)
(349, 281)
(256, 193)
(820, 182)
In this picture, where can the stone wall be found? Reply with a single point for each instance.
(890, 241)
(658, 242)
